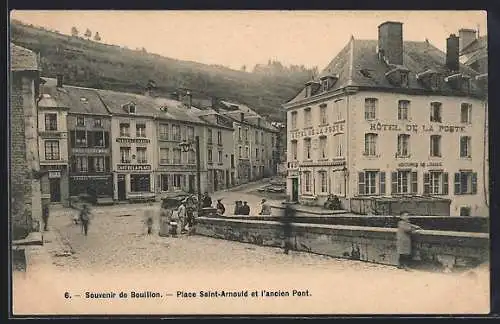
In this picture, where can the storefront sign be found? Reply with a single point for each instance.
(91, 150)
(133, 140)
(101, 177)
(51, 134)
(378, 127)
(334, 129)
(422, 164)
(54, 174)
(177, 167)
(134, 167)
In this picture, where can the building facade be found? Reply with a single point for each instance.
(89, 141)
(255, 143)
(134, 143)
(175, 169)
(24, 183)
(53, 145)
(379, 123)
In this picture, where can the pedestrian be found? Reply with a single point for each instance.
(287, 227)
(237, 207)
(181, 212)
(206, 201)
(404, 242)
(245, 209)
(85, 218)
(220, 207)
(149, 213)
(266, 208)
(45, 215)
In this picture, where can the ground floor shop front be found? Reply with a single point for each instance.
(133, 182)
(464, 188)
(98, 185)
(55, 183)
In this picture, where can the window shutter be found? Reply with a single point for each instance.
(106, 139)
(457, 184)
(90, 139)
(427, 184)
(474, 183)
(445, 183)
(361, 183)
(382, 183)
(394, 182)
(108, 166)
(72, 136)
(414, 182)
(91, 164)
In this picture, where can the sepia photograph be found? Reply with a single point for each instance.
(248, 162)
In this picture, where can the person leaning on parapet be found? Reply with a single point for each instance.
(206, 201)
(404, 240)
(245, 209)
(220, 207)
(266, 208)
(237, 207)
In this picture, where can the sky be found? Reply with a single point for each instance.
(237, 38)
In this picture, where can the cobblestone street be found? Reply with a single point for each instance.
(118, 255)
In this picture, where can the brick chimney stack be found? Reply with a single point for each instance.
(390, 41)
(466, 37)
(452, 50)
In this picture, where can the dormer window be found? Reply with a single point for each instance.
(308, 90)
(404, 79)
(435, 81)
(465, 84)
(131, 109)
(326, 84)
(84, 100)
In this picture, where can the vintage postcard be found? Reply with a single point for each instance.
(249, 162)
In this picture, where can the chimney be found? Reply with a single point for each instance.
(242, 116)
(188, 99)
(390, 41)
(59, 80)
(466, 37)
(452, 46)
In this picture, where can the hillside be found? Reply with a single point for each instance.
(92, 64)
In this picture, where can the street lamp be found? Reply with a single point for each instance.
(345, 172)
(186, 147)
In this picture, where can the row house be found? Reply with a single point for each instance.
(88, 126)
(25, 203)
(176, 170)
(218, 150)
(53, 143)
(255, 142)
(134, 143)
(389, 118)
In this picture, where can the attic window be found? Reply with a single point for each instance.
(84, 100)
(404, 79)
(130, 108)
(435, 81)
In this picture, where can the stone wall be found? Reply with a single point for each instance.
(371, 244)
(25, 189)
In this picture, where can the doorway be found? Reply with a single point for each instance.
(191, 184)
(55, 190)
(228, 179)
(295, 189)
(216, 180)
(121, 187)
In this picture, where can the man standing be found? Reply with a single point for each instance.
(85, 218)
(287, 226)
(45, 215)
(404, 246)
(181, 212)
(206, 201)
(266, 209)
(149, 213)
(245, 209)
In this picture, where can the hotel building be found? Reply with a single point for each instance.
(388, 118)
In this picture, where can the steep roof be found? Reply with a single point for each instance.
(176, 110)
(477, 44)
(22, 59)
(358, 64)
(77, 99)
(115, 101)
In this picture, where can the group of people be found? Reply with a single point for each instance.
(242, 208)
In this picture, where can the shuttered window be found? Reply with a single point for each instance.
(465, 183)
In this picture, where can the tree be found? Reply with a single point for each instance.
(97, 38)
(88, 33)
(74, 31)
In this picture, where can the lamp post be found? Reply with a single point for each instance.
(345, 172)
(186, 147)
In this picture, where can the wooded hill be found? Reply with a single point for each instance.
(89, 63)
